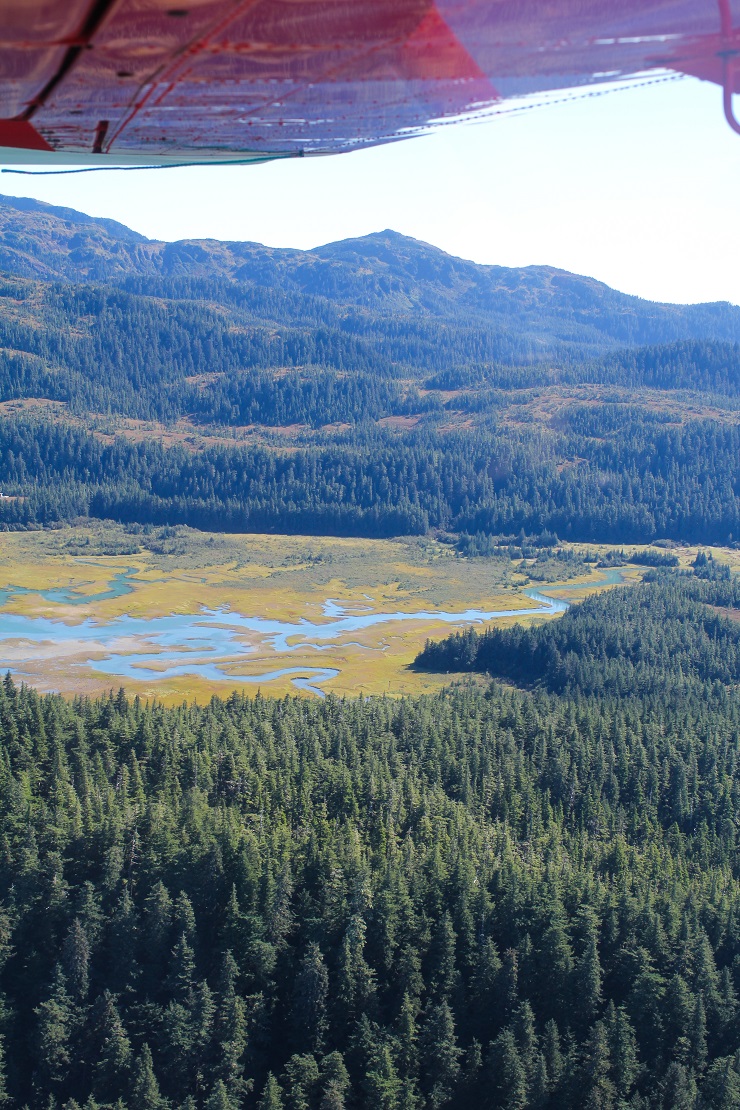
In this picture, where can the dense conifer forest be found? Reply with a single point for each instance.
(671, 629)
(489, 897)
(636, 478)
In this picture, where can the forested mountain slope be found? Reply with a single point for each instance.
(375, 386)
(637, 479)
(381, 273)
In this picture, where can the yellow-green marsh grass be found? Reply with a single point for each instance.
(286, 578)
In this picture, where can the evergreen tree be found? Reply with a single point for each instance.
(381, 1082)
(230, 1030)
(272, 1095)
(552, 1054)
(144, 1086)
(443, 969)
(599, 1089)
(679, 1091)
(721, 1087)
(507, 1077)
(356, 978)
(539, 1085)
(157, 928)
(588, 975)
(698, 1035)
(181, 972)
(623, 1051)
(300, 1082)
(110, 1050)
(55, 1033)
(407, 1035)
(335, 1082)
(308, 1008)
(122, 945)
(441, 1055)
(219, 1098)
(525, 817)
(5, 1098)
(76, 961)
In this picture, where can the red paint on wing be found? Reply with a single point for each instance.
(432, 52)
(288, 76)
(22, 135)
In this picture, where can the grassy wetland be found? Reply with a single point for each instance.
(99, 592)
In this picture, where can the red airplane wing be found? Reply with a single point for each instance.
(212, 79)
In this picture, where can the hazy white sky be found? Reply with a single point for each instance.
(638, 188)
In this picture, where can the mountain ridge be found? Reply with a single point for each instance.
(375, 386)
(384, 272)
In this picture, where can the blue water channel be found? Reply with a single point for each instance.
(213, 644)
(119, 585)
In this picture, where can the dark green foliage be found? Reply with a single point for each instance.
(711, 367)
(272, 1098)
(660, 634)
(346, 287)
(308, 1009)
(496, 899)
(652, 558)
(639, 479)
(336, 341)
(144, 1086)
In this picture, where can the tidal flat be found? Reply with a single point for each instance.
(179, 614)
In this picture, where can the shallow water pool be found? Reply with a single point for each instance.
(214, 644)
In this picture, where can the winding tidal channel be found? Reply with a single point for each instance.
(213, 643)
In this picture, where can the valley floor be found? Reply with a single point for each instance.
(178, 614)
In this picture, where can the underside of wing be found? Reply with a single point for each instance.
(141, 80)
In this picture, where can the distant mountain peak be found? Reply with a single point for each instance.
(72, 216)
(383, 272)
(375, 240)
